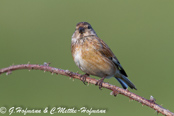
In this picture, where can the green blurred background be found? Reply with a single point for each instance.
(140, 33)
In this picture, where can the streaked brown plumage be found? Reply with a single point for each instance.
(94, 57)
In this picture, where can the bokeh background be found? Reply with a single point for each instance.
(140, 33)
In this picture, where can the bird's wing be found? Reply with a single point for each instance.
(106, 51)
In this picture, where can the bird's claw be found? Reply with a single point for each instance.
(99, 83)
(83, 78)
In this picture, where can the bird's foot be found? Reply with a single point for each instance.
(83, 78)
(99, 82)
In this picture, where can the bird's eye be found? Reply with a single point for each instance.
(89, 27)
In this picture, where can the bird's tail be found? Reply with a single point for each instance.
(125, 82)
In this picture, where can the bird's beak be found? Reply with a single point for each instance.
(81, 30)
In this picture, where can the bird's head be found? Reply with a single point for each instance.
(83, 29)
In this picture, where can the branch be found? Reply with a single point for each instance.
(115, 90)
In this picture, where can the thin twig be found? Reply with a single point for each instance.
(115, 90)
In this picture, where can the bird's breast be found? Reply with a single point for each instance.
(91, 61)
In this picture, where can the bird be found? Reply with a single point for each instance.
(94, 57)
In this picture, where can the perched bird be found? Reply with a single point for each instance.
(93, 56)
